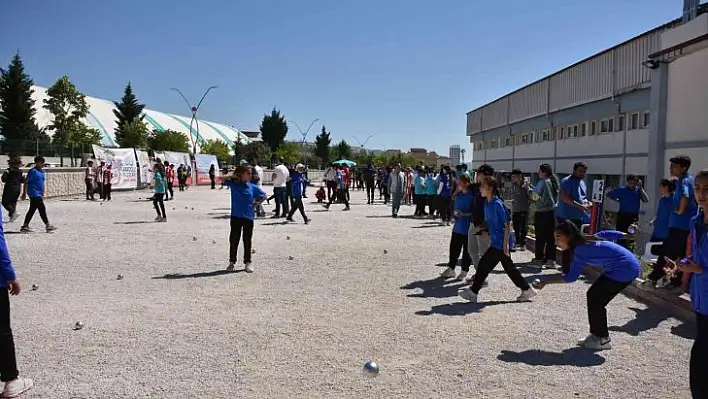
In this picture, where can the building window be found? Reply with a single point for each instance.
(593, 128)
(619, 126)
(607, 125)
(552, 133)
(561, 133)
(495, 144)
(645, 120)
(525, 139)
(573, 131)
(532, 137)
(544, 135)
(507, 141)
(633, 121)
(583, 129)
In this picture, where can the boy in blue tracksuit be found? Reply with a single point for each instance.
(244, 195)
(299, 182)
(663, 212)
(696, 264)
(9, 376)
(34, 189)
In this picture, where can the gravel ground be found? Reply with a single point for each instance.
(178, 327)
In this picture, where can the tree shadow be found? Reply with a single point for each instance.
(136, 222)
(649, 319)
(178, 276)
(434, 288)
(461, 308)
(578, 357)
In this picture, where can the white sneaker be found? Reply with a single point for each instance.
(527, 295)
(17, 387)
(249, 268)
(231, 267)
(596, 343)
(448, 273)
(467, 294)
(462, 276)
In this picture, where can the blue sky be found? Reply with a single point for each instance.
(405, 71)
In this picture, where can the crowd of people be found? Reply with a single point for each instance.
(489, 221)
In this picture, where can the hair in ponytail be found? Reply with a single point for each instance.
(552, 178)
(569, 229)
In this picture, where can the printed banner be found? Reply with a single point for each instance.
(125, 169)
(145, 167)
(177, 159)
(204, 162)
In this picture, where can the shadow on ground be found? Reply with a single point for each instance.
(390, 217)
(177, 276)
(650, 318)
(434, 288)
(461, 308)
(578, 357)
(136, 222)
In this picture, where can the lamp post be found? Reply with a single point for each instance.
(304, 136)
(194, 120)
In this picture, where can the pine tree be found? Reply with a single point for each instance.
(274, 129)
(322, 143)
(127, 110)
(17, 122)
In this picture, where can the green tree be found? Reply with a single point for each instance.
(17, 122)
(217, 148)
(322, 143)
(83, 136)
(274, 128)
(134, 134)
(127, 110)
(258, 152)
(343, 150)
(289, 152)
(168, 140)
(68, 106)
(363, 157)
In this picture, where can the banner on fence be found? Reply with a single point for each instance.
(177, 159)
(125, 169)
(145, 167)
(204, 162)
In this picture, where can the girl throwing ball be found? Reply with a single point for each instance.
(620, 268)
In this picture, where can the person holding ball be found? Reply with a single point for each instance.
(620, 268)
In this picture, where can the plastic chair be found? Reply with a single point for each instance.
(648, 256)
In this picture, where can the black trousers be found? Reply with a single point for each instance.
(8, 361)
(240, 227)
(370, 190)
(430, 201)
(520, 222)
(213, 182)
(89, 189)
(170, 190)
(458, 242)
(444, 207)
(566, 256)
(419, 201)
(699, 359)
(159, 204)
(9, 200)
(99, 185)
(36, 204)
(107, 192)
(331, 189)
(544, 226)
(602, 291)
(489, 261)
(341, 195)
(674, 247)
(297, 206)
(624, 220)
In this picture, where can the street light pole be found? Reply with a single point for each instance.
(304, 136)
(194, 119)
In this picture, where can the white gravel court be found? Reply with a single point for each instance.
(177, 327)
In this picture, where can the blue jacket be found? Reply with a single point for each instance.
(617, 262)
(577, 190)
(7, 273)
(298, 182)
(699, 254)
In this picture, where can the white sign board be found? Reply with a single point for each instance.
(598, 191)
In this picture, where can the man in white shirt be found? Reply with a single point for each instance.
(330, 178)
(280, 180)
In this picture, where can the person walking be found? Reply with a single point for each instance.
(299, 182)
(478, 235)
(520, 199)
(340, 194)
(330, 178)
(34, 189)
(369, 174)
(431, 191)
(160, 184)
(397, 190)
(545, 196)
(281, 175)
(463, 202)
(13, 386)
(107, 182)
(244, 195)
(13, 179)
(444, 197)
(419, 193)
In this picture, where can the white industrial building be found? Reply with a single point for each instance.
(101, 117)
(625, 110)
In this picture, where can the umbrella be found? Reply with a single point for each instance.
(345, 162)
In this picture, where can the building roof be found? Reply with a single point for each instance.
(703, 8)
(102, 118)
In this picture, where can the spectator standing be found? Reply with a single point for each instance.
(520, 197)
(573, 204)
(13, 179)
(281, 174)
(629, 197)
(545, 194)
